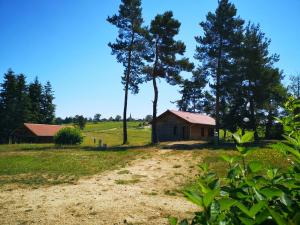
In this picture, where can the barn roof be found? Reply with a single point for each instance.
(193, 118)
(43, 130)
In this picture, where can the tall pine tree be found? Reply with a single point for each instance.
(8, 105)
(35, 95)
(162, 57)
(216, 48)
(47, 105)
(128, 49)
(256, 63)
(22, 113)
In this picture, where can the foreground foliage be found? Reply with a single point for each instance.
(250, 194)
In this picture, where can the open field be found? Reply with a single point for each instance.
(134, 184)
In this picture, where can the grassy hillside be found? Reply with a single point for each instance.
(111, 133)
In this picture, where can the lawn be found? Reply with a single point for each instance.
(46, 164)
(111, 133)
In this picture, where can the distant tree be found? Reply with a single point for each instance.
(192, 93)
(118, 118)
(148, 118)
(216, 48)
(22, 113)
(111, 119)
(47, 105)
(35, 95)
(97, 117)
(294, 87)
(80, 121)
(8, 105)
(162, 57)
(58, 120)
(128, 49)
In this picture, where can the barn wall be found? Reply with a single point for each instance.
(196, 132)
(166, 125)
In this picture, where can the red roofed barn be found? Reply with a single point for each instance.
(177, 125)
(34, 133)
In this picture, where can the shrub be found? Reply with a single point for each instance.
(252, 194)
(68, 136)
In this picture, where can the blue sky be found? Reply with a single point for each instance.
(65, 42)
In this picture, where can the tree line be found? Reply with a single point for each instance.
(235, 79)
(78, 119)
(22, 102)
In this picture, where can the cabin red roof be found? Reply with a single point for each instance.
(43, 130)
(194, 118)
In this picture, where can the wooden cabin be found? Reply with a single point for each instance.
(177, 125)
(34, 133)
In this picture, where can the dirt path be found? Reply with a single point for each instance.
(140, 193)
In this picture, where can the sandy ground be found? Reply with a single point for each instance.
(136, 194)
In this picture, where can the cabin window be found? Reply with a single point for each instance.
(175, 131)
(202, 131)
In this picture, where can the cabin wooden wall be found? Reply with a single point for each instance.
(184, 130)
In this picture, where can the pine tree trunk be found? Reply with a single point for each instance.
(269, 125)
(252, 113)
(125, 138)
(218, 90)
(154, 128)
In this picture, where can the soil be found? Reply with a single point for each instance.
(143, 192)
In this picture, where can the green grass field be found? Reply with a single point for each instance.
(47, 164)
(111, 134)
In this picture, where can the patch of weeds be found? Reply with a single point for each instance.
(170, 193)
(125, 182)
(138, 176)
(176, 166)
(178, 174)
(124, 172)
(151, 193)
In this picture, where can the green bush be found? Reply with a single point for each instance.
(68, 136)
(252, 194)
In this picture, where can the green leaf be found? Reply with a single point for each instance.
(203, 167)
(209, 197)
(277, 217)
(173, 220)
(247, 137)
(226, 203)
(237, 138)
(246, 221)
(194, 197)
(286, 200)
(254, 209)
(271, 173)
(255, 166)
(214, 210)
(230, 159)
(261, 217)
(271, 192)
(241, 149)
